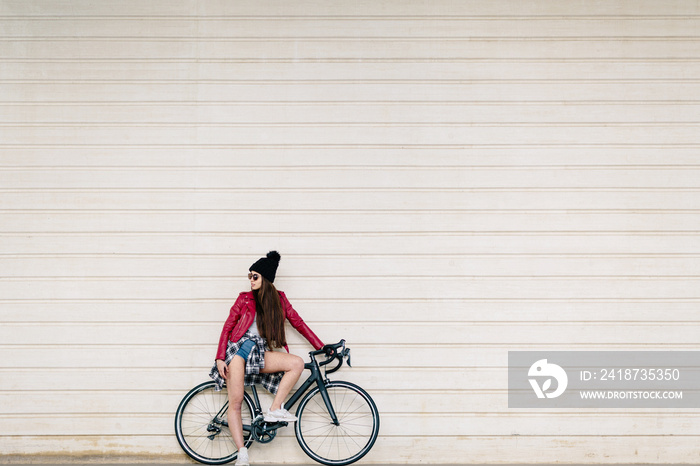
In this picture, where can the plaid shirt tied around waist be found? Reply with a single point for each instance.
(253, 366)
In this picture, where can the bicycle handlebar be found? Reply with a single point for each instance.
(331, 352)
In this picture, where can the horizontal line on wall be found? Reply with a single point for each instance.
(533, 412)
(112, 345)
(218, 322)
(320, 278)
(352, 211)
(356, 146)
(364, 60)
(354, 234)
(316, 82)
(407, 255)
(197, 370)
(307, 168)
(147, 391)
(537, 413)
(447, 391)
(162, 458)
(345, 124)
(328, 60)
(136, 369)
(177, 456)
(339, 190)
(360, 301)
(597, 412)
(551, 347)
(474, 323)
(365, 38)
(336, 103)
(429, 17)
(353, 124)
(415, 346)
(144, 369)
(175, 391)
(522, 413)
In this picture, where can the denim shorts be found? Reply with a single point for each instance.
(245, 349)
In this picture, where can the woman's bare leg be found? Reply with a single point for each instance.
(234, 383)
(292, 365)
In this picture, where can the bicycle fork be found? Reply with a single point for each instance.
(329, 405)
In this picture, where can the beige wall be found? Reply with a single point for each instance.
(446, 181)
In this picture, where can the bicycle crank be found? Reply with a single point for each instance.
(265, 432)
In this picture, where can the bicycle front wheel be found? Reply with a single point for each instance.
(201, 425)
(337, 445)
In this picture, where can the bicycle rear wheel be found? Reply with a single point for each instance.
(347, 442)
(201, 425)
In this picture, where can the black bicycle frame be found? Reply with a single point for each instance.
(314, 378)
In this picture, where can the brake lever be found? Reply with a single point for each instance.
(346, 354)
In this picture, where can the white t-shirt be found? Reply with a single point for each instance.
(254, 327)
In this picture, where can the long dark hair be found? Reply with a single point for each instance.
(269, 314)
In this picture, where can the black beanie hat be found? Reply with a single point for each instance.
(267, 266)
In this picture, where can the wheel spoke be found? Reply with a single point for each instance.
(324, 426)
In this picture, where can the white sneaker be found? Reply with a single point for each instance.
(280, 415)
(242, 457)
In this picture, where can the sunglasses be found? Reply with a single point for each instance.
(254, 276)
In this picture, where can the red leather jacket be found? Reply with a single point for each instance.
(241, 317)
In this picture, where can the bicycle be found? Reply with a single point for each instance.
(338, 421)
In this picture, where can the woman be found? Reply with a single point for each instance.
(254, 326)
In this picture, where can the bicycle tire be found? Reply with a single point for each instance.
(196, 426)
(346, 443)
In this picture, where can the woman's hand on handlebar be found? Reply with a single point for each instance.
(223, 368)
(333, 352)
